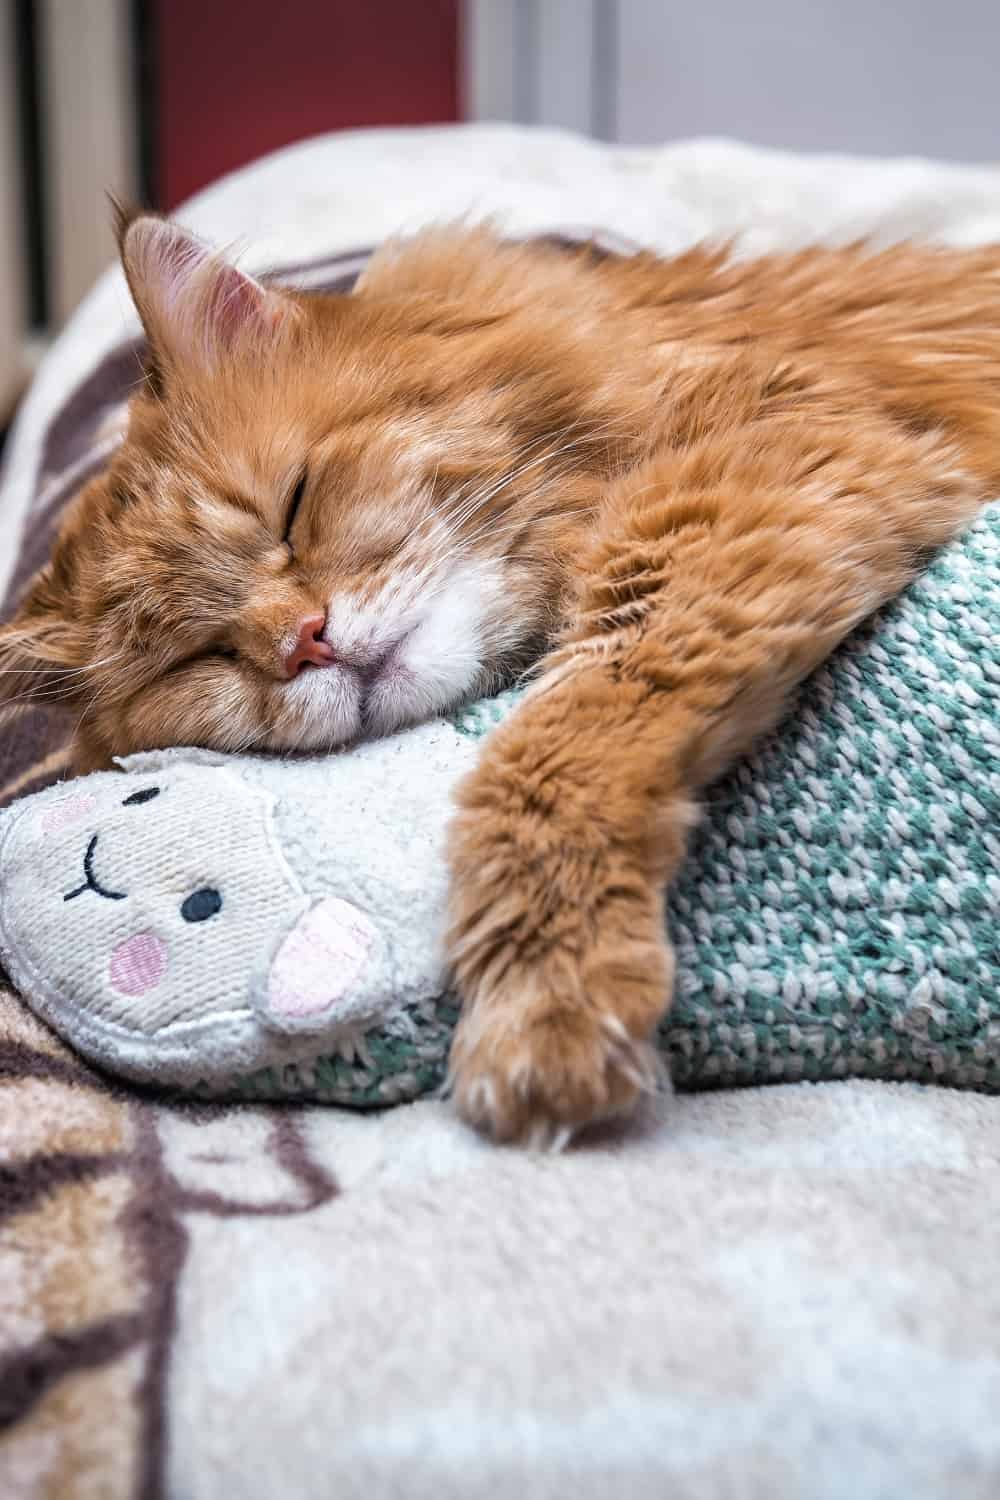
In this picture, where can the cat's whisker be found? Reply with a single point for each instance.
(61, 672)
(527, 522)
(250, 740)
(89, 706)
(482, 496)
(53, 694)
(49, 692)
(521, 523)
(463, 541)
(30, 699)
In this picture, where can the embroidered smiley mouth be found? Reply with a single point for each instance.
(92, 883)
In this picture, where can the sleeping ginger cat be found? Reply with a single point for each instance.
(671, 487)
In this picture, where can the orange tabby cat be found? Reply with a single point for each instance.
(678, 483)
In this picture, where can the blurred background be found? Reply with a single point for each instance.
(154, 99)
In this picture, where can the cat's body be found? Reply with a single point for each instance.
(679, 484)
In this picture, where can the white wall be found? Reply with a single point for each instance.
(912, 77)
(88, 137)
(879, 77)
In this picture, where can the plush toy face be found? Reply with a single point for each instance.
(164, 899)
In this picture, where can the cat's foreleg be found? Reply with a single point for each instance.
(717, 582)
(564, 837)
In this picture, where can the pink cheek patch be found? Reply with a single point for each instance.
(138, 964)
(68, 810)
(320, 961)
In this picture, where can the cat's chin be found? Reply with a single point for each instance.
(395, 702)
(322, 710)
(329, 708)
(430, 671)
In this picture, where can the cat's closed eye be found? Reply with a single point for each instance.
(293, 508)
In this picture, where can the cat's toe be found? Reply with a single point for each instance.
(537, 1078)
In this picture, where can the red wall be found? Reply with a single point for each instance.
(238, 78)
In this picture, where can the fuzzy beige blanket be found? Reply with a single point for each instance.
(778, 1294)
(785, 1292)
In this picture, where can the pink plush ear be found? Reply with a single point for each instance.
(318, 965)
(193, 304)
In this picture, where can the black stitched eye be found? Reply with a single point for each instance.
(146, 795)
(293, 507)
(201, 905)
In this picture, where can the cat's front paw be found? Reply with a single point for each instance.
(535, 1068)
(556, 938)
(563, 974)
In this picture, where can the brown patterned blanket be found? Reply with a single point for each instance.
(763, 1294)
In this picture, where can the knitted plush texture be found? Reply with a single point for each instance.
(838, 914)
(270, 929)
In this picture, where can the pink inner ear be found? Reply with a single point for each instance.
(172, 259)
(199, 299)
(237, 303)
(319, 961)
(236, 300)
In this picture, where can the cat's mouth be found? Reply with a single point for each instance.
(362, 693)
(91, 882)
(374, 664)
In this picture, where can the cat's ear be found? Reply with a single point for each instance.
(197, 309)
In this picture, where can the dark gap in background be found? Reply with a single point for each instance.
(144, 83)
(32, 184)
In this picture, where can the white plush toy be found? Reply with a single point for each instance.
(206, 917)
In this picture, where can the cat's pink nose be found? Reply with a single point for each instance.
(310, 649)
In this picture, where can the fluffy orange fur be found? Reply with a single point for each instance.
(674, 486)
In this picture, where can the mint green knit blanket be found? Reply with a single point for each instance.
(839, 911)
(839, 914)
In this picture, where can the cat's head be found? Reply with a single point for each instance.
(331, 515)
